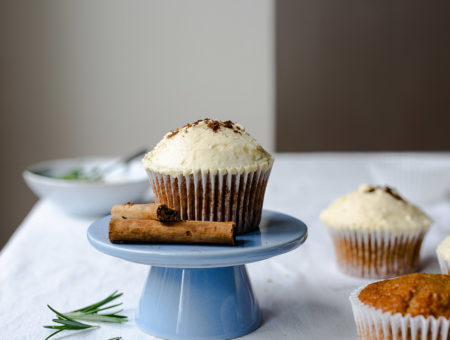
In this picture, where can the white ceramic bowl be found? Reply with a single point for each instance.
(84, 198)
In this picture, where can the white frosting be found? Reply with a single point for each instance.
(198, 147)
(377, 210)
(443, 250)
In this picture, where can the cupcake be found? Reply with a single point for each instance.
(211, 171)
(376, 233)
(443, 254)
(410, 307)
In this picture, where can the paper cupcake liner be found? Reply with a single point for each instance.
(445, 265)
(374, 324)
(205, 196)
(376, 254)
(422, 178)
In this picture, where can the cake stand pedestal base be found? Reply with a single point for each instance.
(198, 303)
(202, 292)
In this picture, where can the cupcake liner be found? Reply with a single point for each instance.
(374, 324)
(445, 265)
(207, 196)
(378, 254)
(423, 178)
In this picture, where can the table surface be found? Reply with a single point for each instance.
(302, 295)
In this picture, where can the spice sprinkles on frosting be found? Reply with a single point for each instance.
(214, 125)
(387, 190)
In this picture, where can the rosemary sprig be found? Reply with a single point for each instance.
(68, 321)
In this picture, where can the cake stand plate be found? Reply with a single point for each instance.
(202, 291)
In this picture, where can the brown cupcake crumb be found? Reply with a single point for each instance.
(387, 190)
(414, 294)
(173, 133)
(215, 125)
(212, 124)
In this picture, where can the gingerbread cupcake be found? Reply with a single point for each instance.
(443, 254)
(410, 307)
(211, 171)
(376, 233)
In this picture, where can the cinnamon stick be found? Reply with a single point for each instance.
(151, 231)
(150, 211)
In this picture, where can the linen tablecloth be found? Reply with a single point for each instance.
(302, 295)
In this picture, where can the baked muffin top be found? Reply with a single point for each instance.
(443, 249)
(207, 145)
(414, 294)
(375, 208)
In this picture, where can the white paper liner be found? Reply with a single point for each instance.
(445, 265)
(422, 178)
(376, 254)
(205, 196)
(374, 324)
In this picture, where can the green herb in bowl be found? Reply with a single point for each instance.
(80, 175)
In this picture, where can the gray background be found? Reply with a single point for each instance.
(109, 77)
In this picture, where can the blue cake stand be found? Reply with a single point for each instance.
(201, 291)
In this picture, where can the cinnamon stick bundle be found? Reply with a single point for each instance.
(150, 211)
(151, 231)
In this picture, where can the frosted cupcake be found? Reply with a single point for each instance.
(211, 171)
(443, 254)
(376, 233)
(414, 306)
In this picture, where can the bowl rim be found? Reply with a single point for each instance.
(29, 173)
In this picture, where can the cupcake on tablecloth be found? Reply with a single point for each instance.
(413, 306)
(211, 171)
(443, 254)
(376, 233)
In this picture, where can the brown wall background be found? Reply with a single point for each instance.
(362, 75)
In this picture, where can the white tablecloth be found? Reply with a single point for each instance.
(301, 293)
